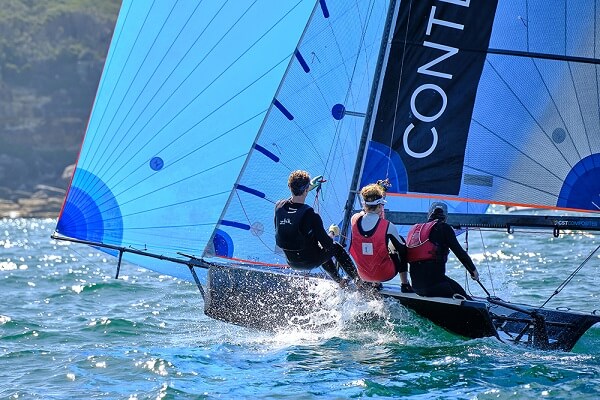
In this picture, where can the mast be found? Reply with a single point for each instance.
(348, 209)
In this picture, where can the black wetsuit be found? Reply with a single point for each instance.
(300, 233)
(429, 278)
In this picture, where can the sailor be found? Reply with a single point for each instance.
(376, 247)
(300, 233)
(428, 246)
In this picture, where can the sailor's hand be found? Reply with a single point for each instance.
(316, 182)
(333, 230)
(385, 184)
(475, 275)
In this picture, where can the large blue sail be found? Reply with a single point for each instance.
(203, 110)
(491, 102)
(185, 89)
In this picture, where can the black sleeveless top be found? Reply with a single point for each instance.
(288, 219)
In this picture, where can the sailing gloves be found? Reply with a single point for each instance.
(333, 231)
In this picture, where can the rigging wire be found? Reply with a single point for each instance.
(487, 262)
(570, 277)
(351, 77)
(338, 128)
(387, 172)
(258, 236)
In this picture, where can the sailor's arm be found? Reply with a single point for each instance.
(459, 252)
(399, 245)
(318, 230)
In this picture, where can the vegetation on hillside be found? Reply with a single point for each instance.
(51, 58)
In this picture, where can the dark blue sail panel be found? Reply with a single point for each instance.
(91, 215)
(581, 188)
(384, 162)
(429, 89)
(222, 244)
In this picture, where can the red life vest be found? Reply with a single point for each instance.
(418, 245)
(371, 253)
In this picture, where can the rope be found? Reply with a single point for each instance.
(570, 277)
(487, 262)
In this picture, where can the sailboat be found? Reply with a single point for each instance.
(204, 108)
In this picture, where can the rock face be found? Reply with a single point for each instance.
(43, 202)
(51, 57)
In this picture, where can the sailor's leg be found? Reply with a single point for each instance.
(397, 263)
(457, 288)
(332, 270)
(343, 258)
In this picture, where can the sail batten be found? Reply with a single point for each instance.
(542, 56)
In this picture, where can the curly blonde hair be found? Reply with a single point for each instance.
(298, 181)
(371, 193)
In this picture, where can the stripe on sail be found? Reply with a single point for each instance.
(266, 152)
(324, 8)
(302, 61)
(250, 190)
(234, 224)
(283, 110)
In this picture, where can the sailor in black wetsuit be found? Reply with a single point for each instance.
(300, 233)
(428, 246)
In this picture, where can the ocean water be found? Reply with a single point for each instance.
(69, 330)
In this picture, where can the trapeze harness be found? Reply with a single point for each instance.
(371, 254)
(418, 245)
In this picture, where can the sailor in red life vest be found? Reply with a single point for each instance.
(299, 232)
(428, 245)
(377, 249)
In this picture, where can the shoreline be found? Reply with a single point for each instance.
(31, 208)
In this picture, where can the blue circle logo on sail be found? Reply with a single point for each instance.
(559, 135)
(157, 163)
(91, 211)
(581, 188)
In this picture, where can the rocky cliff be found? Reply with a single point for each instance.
(51, 58)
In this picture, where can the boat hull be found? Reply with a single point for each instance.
(463, 317)
(273, 299)
(523, 324)
(260, 299)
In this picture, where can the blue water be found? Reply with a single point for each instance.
(69, 330)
